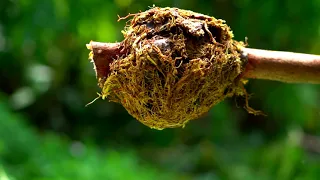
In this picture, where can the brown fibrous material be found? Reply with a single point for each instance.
(172, 67)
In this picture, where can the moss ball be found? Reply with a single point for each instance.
(178, 64)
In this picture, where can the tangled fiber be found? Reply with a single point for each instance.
(173, 67)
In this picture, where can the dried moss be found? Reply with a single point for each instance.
(178, 65)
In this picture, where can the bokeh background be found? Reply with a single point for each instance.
(47, 133)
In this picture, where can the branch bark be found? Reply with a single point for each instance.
(103, 55)
(280, 66)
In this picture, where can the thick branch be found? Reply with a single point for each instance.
(282, 66)
(286, 67)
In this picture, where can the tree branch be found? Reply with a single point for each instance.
(286, 67)
(102, 55)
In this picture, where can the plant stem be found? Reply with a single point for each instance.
(288, 67)
(103, 55)
(281, 66)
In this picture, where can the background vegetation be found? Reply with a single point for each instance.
(46, 133)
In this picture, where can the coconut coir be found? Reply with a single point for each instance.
(172, 66)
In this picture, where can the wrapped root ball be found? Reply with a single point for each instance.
(172, 66)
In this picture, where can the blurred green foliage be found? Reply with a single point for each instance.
(27, 156)
(46, 132)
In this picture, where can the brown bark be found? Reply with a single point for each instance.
(286, 67)
(103, 55)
